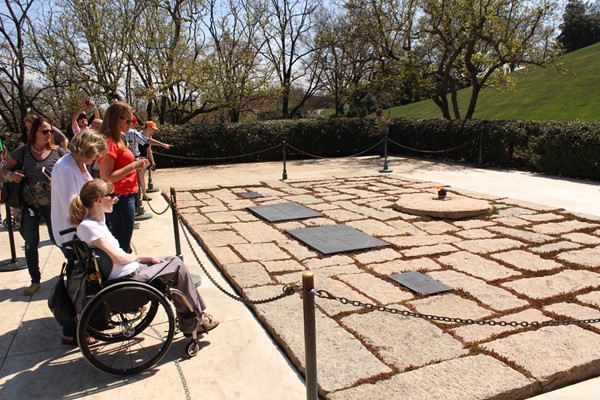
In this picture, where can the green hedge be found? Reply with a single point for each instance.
(567, 149)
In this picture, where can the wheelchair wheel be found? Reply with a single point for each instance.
(134, 325)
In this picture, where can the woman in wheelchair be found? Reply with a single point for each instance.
(87, 213)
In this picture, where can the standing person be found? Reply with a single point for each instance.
(120, 167)
(383, 128)
(150, 128)
(40, 153)
(87, 211)
(79, 120)
(137, 142)
(68, 177)
(59, 137)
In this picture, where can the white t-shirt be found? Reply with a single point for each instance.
(90, 230)
(67, 181)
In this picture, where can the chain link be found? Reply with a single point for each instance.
(156, 212)
(287, 290)
(186, 389)
(524, 324)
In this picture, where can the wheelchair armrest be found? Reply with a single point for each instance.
(104, 261)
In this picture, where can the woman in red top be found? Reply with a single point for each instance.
(119, 167)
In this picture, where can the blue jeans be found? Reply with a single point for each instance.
(121, 220)
(30, 230)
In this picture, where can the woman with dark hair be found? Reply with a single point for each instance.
(119, 166)
(31, 164)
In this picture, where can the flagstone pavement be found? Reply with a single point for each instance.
(533, 259)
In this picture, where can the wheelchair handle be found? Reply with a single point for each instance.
(68, 230)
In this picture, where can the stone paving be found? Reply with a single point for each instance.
(522, 262)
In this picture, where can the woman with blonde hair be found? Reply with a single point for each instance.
(30, 165)
(120, 167)
(68, 176)
(87, 212)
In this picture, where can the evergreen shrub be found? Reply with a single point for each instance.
(554, 147)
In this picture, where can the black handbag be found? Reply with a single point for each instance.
(12, 194)
(59, 301)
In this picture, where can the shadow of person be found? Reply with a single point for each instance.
(36, 367)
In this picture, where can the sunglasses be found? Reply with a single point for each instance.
(111, 195)
(128, 120)
(46, 131)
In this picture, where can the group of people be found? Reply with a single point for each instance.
(58, 187)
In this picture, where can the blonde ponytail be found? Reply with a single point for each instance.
(90, 192)
(77, 211)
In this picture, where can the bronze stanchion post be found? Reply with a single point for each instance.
(310, 336)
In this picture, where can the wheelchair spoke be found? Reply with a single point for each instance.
(133, 340)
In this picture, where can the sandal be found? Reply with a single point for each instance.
(208, 324)
(67, 341)
(30, 291)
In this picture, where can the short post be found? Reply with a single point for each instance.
(150, 188)
(175, 223)
(480, 148)
(11, 235)
(310, 336)
(284, 151)
(140, 213)
(14, 263)
(385, 155)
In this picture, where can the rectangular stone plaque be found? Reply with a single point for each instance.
(283, 212)
(250, 195)
(333, 239)
(420, 283)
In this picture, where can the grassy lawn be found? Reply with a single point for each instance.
(569, 94)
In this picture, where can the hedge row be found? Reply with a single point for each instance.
(567, 149)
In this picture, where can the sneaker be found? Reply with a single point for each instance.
(31, 289)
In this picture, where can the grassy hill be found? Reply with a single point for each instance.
(571, 94)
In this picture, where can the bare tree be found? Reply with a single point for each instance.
(14, 101)
(345, 58)
(166, 59)
(287, 29)
(236, 71)
(468, 42)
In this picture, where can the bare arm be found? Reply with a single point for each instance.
(118, 256)
(158, 143)
(108, 173)
(76, 114)
(8, 173)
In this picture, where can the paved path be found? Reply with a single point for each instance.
(241, 361)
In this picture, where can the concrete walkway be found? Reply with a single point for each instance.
(240, 360)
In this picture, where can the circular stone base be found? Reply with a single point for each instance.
(456, 207)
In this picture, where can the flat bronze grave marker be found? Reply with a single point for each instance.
(420, 283)
(283, 212)
(333, 239)
(250, 195)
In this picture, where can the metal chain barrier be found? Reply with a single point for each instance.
(156, 212)
(433, 151)
(323, 158)
(288, 290)
(217, 158)
(326, 295)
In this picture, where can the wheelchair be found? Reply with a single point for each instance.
(133, 322)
